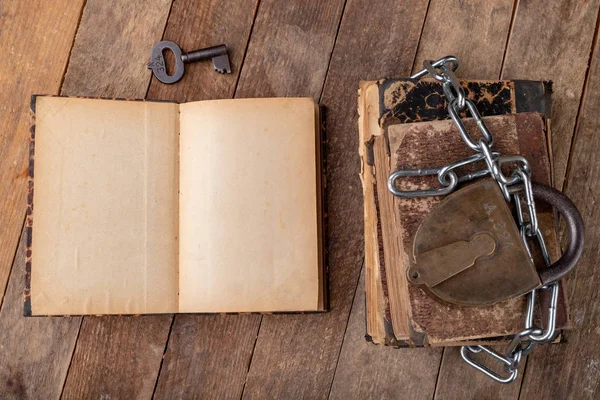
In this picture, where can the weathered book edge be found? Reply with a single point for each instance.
(529, 96)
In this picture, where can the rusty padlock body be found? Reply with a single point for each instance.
(469, 250)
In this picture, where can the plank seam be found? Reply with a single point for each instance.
(64, 74)
(251, 358)
(581, 102)
(62, 390)
(508, 36)
(437, 377)
(162, 360)
(524, 374)
(337, 361)
(337, 32)
(237, 81)
(12, 263)
(420, 36)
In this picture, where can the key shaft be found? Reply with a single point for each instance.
(204, 54)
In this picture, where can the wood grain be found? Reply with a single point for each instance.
(34, 351)
(296, 355)
(290, 49)
(458, 380)
(116, 356)
(36, 39)
(552, 40)
(475, 32)
(207, 356)
(571, 370)
(112, 48)
(368, 371)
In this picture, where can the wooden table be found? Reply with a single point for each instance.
(311, 48)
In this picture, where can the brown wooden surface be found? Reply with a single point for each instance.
(296, 48)
(475, 32)
(552, 40)
(34, 352)
(366, 370)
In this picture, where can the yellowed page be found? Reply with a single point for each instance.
(249, 236)
(105, 217)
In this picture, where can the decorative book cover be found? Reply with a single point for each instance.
(145, 207)
(395, 133)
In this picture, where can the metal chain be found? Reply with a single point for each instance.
(516, 188)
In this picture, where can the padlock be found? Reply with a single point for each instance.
(469, 250)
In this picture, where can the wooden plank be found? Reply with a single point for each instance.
(296, 355)
(207, 355)
(108, 59)
(475, 32)
(36, 38)
(449, 30)
(34, 351)
(112, 47)
(551, 40)
(458, 380)
(290, 49)
(117, 357)
(366, 370)
(571, 370)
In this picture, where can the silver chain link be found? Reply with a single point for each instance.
(516, 188)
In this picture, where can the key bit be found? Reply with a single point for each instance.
(157, 64)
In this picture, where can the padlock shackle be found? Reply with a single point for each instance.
(575, 229)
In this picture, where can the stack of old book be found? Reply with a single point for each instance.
(404, 123)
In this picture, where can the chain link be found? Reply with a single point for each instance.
(515, 187)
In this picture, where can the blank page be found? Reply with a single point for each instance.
(249, 232)
(105, 211)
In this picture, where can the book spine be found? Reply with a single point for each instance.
(29, 216)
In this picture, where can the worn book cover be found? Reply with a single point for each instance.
(142, 207)
(403, 124)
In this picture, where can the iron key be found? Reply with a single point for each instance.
(157, 64)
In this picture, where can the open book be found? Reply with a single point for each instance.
(155, 207)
